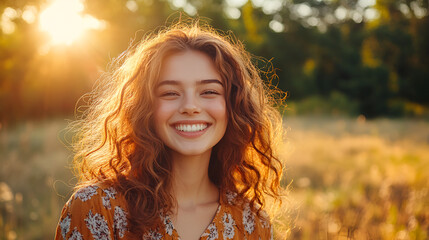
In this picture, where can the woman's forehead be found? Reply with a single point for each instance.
(189, 65)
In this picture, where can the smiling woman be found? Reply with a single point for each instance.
(64, 22)
(178, 143)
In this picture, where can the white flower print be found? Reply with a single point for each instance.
(167, 224)
(152, 235)
(65, 226)
(248, 219)
(120, 221)
(230, 197)
(110, 193)
(86, 193)
(228, 225)
(97, 224)
(212, 234)
(76, 235)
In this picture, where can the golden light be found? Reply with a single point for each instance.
(64, 22)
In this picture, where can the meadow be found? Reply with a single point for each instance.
(347, 178)
(357, 179)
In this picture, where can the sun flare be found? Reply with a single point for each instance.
(64, 21)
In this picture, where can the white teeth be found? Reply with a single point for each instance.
(191, 127)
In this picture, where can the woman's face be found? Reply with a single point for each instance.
(190, 110)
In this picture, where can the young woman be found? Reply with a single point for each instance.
(178, 143)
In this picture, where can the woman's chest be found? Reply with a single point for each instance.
(191, 222)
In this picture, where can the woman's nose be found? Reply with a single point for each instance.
(190, 105)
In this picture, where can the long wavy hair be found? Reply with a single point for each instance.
(116, 142)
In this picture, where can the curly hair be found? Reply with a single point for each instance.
(116, 141)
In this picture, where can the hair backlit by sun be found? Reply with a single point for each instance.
(64, 22)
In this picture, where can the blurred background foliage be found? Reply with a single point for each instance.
(372, 53)
(341, 63)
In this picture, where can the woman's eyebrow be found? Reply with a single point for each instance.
(168, 82)
(175, 82)
(207, 81)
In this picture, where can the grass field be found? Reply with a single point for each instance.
(348, 179)
(357, 179)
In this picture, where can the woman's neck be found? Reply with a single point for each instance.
(191, 183)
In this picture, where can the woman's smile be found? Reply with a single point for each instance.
(191, 133)
(191, 130)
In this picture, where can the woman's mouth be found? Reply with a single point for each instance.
(191, 127)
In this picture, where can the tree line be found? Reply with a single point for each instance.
(373, 56)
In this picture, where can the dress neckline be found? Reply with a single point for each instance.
(215, 218)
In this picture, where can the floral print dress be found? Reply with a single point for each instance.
(101, 214)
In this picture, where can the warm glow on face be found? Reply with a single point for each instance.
(64, 22)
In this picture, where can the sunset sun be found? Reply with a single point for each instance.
(64, 21)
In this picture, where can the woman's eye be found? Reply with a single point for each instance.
(210, 92)
(169, 94)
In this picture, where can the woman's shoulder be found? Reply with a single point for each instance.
(93, 210)
(97, 194)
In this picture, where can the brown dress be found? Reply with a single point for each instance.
(100, 213)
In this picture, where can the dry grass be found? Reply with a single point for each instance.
(34, 179)
(349, 179)
(354, 179)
